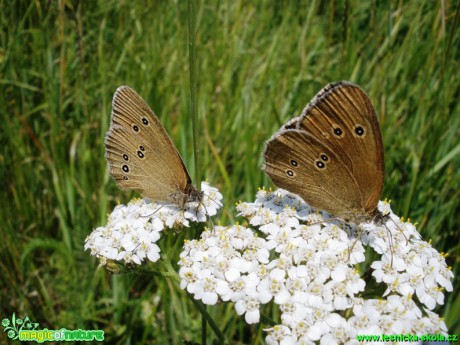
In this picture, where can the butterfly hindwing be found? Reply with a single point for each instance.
(296, 161)
(341, 115)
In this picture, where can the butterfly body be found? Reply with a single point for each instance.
(190, 194)
(332, 154)
(142, 156)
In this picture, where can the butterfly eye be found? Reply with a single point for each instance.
(290, 173)
(135, 128)
(125, 157)
(145, 121)
(359, 130)
(140, 154)
(320, 165)
(338, 132)
(125, 168)
(294, 163)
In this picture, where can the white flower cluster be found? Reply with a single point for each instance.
(132, 230)
(306, 266)
(408, 265)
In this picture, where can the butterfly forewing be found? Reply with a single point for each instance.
(140, 153)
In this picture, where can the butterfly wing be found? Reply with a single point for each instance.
(140, 153)
(297, 161)
(342, 116)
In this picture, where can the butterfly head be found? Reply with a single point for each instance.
(362, 216)
(190, 194)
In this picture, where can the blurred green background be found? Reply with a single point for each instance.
(258, 64)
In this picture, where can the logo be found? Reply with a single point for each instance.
(27, 330)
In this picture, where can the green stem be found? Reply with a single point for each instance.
(202, 308)
(204, 329)
(193, 97)
(171, 272)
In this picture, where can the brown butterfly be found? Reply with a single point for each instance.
(332, 154)
(142, 156)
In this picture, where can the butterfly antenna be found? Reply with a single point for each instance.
(390, 243)
(382, 219)
(359, 233)
(214, 201)
(402, 232)
(210, 219)
(206, 210)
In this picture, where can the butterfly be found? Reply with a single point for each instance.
(142, 156)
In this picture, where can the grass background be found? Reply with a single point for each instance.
(258, 64)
